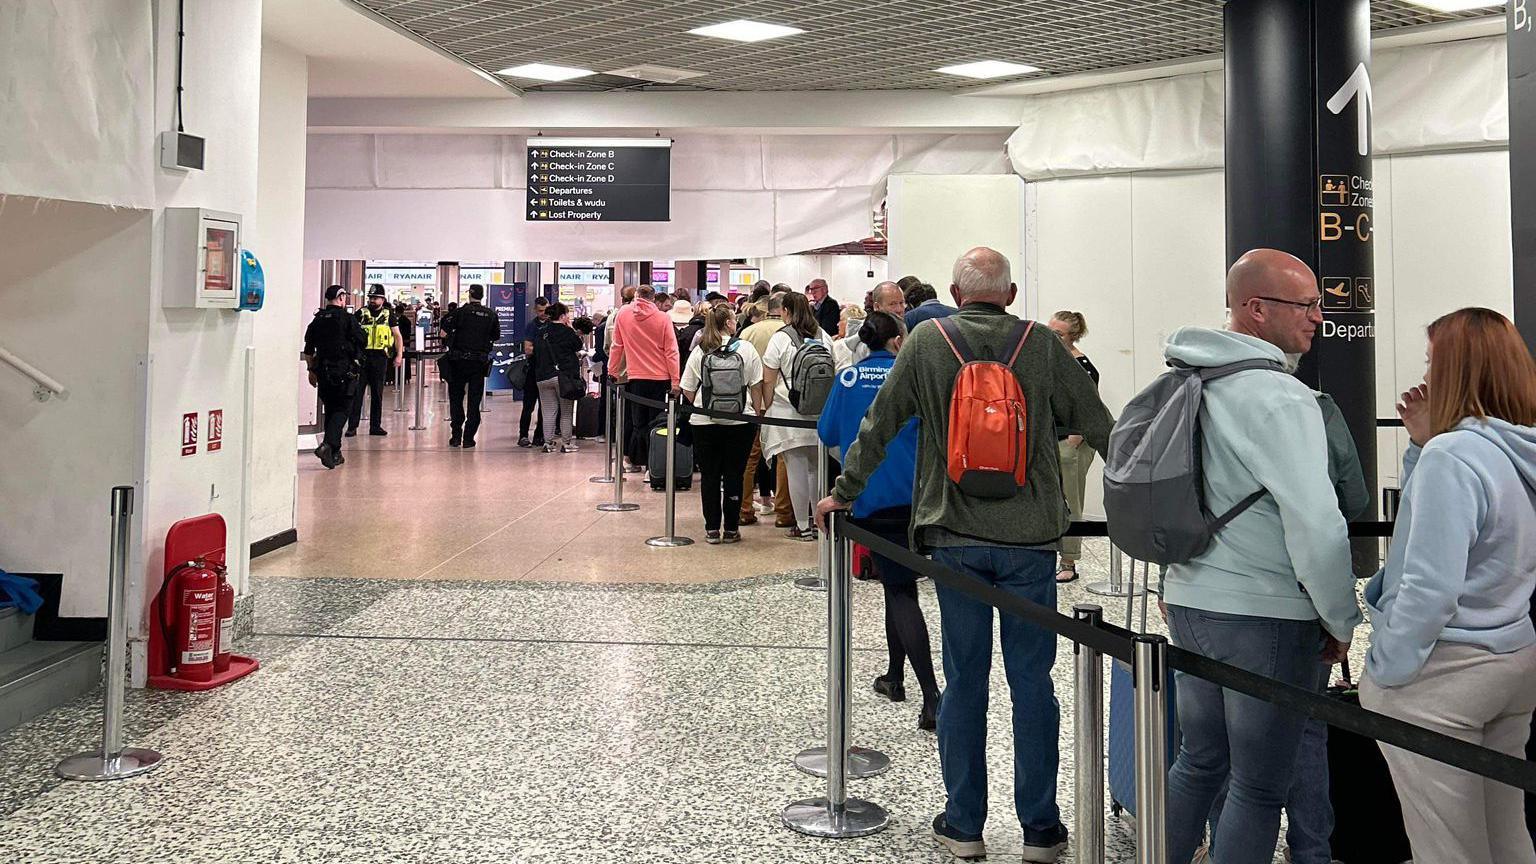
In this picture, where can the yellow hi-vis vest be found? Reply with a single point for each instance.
(376, 324)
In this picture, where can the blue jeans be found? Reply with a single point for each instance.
(1028, 653)
(1230, 738)
(1309, 806)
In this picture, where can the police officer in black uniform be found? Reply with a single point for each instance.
(333, 346)
(472, 330)
(382, 329)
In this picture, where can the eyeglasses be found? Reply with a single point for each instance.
(1311, 305)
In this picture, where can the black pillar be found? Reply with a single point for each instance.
(1522, 165)
(1298, 175)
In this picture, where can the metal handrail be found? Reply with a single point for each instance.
(44, 386)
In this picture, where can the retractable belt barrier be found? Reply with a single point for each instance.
(1117, 642)
(685, 410)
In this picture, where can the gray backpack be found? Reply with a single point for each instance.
(1154, 488)
(723, 380)
(811, 372)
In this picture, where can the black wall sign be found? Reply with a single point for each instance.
(1522, 162)
(1298, 175)
(510, 303)
(599, 179)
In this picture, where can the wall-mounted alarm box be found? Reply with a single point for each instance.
(202, 259)
(181, 152)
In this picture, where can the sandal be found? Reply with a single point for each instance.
(1070, 570)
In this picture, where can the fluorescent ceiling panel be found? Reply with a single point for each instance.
(545, 72)
(988, 69)
(746, 31)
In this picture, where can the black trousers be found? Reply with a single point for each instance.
(461, 388)
(375, 364)
(337, 402)
(721, 453)
(638, 420)
(906, 631)
(531, 416)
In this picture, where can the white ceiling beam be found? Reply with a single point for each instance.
(800, 112)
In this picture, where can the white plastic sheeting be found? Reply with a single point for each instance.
(1427, 97)
(444, 197)
(78, 103)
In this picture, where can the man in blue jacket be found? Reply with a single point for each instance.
(1275, 591)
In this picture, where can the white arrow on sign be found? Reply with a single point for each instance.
(1359, 83)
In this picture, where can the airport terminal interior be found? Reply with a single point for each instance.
(274, 588)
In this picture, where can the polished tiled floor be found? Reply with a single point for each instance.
(454, 670)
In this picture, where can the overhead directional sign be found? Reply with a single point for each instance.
(599, 179)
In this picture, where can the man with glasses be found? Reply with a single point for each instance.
(1274, 593)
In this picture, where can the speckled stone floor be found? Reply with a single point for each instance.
(439, 712)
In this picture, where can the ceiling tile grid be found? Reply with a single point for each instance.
(869, 45)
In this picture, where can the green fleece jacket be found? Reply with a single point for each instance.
(1057, 392)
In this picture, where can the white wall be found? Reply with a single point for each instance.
(934, 219)
(73, 281)
(276, 236)
(1142, 254)
(845, 274)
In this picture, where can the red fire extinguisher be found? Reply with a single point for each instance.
(226, 611)
(189, 615)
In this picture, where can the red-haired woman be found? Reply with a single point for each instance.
(1452, 645)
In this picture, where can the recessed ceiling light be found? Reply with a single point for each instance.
(1454, 5)
(746, 31)
(658, 74)
(545, 72)
(988, 69)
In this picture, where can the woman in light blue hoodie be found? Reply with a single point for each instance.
(1452, 646)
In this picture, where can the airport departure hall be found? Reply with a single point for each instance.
(737, 432)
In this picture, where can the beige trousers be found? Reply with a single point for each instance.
(1075, 462)
(1452, 816)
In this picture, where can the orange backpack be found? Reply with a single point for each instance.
(988, 420)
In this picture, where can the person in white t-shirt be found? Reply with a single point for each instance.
(720, 446)
(796, 446)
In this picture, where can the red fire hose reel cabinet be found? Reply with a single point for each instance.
(191, 621)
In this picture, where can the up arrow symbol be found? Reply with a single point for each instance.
(1359, 83)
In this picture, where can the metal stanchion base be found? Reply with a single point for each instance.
(862, 762)
(669, 542)
(416, 428)
(1104, 589)
(811, 583)
(816, 817)
(618, 508)
(599, 479)
(132, 762)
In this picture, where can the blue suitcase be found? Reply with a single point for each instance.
(1122, 714)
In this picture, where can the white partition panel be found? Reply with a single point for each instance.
(934, 219)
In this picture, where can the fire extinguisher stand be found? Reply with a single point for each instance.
(114, 761)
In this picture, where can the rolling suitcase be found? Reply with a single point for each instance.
(657, 460)
(1368, 818)
(1122, 713)
(589, 421)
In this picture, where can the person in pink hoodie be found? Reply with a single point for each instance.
(644, 350)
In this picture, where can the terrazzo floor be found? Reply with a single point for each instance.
(510, 719)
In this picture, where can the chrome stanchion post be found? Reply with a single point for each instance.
(837, 815)
(611, 466)
(669, 517)
(823, 549)
(858, 762)
(420, 421)
(1088, 740)
(1149, 672)
(113, 761)
(1115, 585)
(618, 505)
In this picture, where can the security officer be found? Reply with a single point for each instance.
(384, 341)
(333, 345)
(472, 330)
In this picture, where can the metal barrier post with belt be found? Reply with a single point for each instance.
(1149, 671)
(819, 581)
(837, 815)
(1088, 740)
(1115, 585)
(669, 515)
(420, 421)
(611, 466)
(618, 505)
